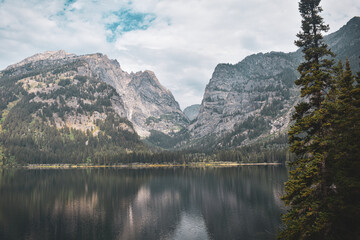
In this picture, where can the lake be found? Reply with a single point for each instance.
(164, 203)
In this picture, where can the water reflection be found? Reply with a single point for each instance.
(219, 203)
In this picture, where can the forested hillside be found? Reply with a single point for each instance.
(49, 114)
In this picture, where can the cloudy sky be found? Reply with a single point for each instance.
(180, 40)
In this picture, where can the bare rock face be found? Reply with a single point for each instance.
(258, 91)
(148, 104)
(152, 106)
(192, 111)
(48, 55)
(143, 100)
(255, 97)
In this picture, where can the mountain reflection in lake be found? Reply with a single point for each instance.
(181, 203)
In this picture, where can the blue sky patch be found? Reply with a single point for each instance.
(127, 21)
(69, 2)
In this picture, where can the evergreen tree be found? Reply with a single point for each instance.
(306, 191)
(343, 140)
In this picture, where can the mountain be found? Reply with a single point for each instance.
(345, 43)
(147, 104)
(51, 114)
(60, 107)
(244, 100)
(254, 99)
(142, 99)
(192, 111)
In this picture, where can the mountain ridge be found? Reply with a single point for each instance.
(253, 98)
(143, 97)
(242, 102)
(51, 114)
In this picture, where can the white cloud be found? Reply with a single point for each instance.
(182, 45)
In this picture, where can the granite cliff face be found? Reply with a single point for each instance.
(142, 99)
(254, 98)
(192, 111)
(247, 99)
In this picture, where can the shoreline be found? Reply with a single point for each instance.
(145, 165)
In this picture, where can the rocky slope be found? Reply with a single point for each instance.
(49, 113)
(254, 98)
(248, 99)
(142, 99)
(345, 43)
(192, 111)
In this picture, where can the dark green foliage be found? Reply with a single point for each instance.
(270, 151)
(9, 91)
(64, 82)
(101, 87)
(81, 79)
(274, 149)
(287, 76)
(306, 190)
(323, 187)
(255, 154)
(164, 141)
(251, 128)
(166, 117)
(34, 69)
(342, 114)
(32, 141)
(150, 120)
(272, 109)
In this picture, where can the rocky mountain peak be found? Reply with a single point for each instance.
(147, 78)
(143, 100)
(345, 43)
(192, 111)
(254, 98)
(258, 84)
(67, 111)
(354, 22)
(48, 55)
(147, 103)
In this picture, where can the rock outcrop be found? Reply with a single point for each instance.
(192, 111)
(259, 91)
(255, 97)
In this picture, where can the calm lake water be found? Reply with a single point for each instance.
(180, 203)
